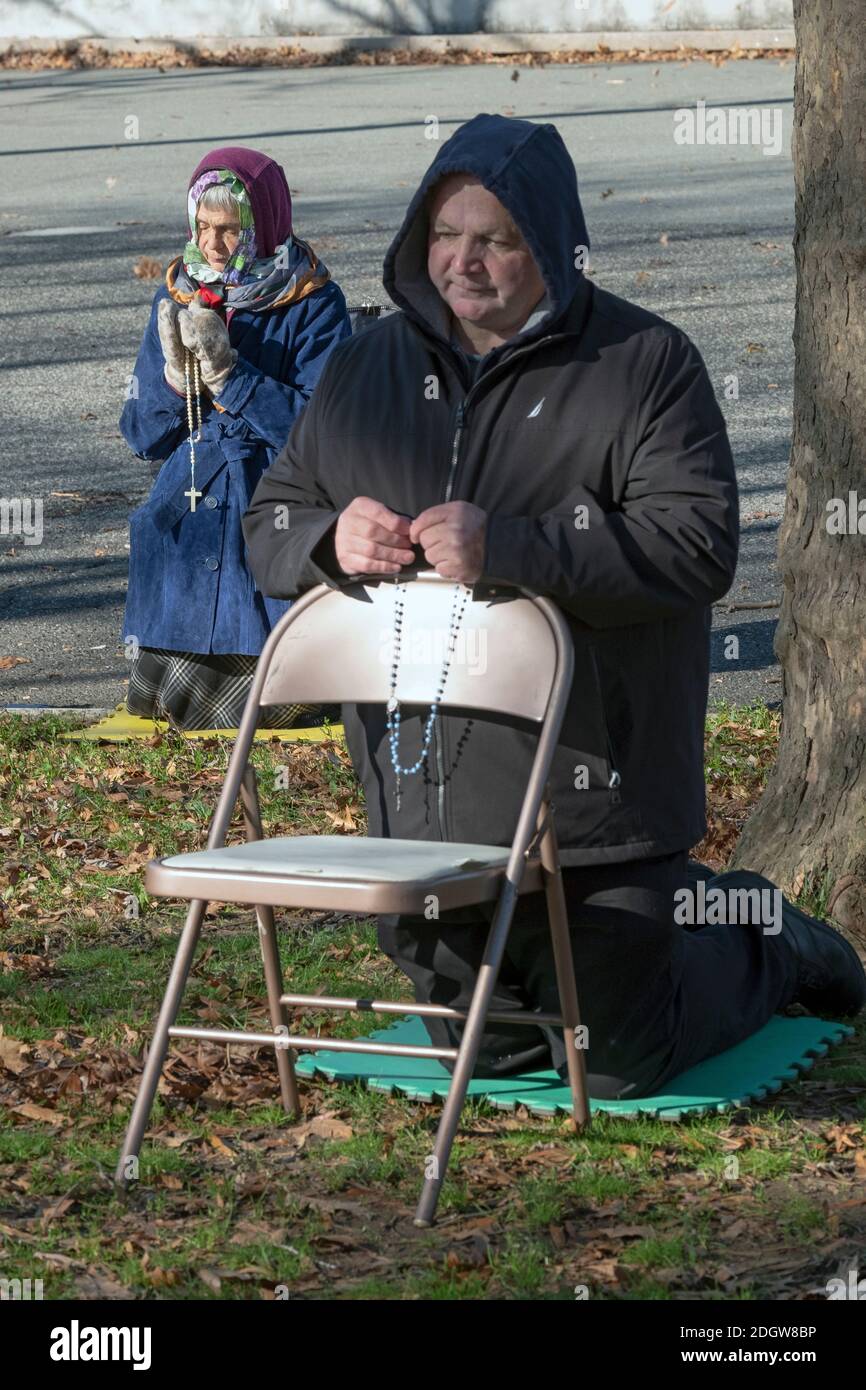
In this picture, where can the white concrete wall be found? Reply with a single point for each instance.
(187, 18)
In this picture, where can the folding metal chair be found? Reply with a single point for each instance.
(329, 648)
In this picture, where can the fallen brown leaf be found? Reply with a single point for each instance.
(33, 965)
(217, 1143)
(161, 1278)
(95, 1285)
(56, 1209)
(324, 1126)
(13, 1055)
(844, 1137)
(147, 268)
(471, 1254)
(331, 1204)
(38, 1112)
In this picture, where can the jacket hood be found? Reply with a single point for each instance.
(265, 182)
(527, 167)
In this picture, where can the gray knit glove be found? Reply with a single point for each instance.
(204, 333)
(172, 347)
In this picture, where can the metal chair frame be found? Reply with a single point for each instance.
(533, 865)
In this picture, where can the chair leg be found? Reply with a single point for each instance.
(271, 955)
(279, 1014)
(470, 1042)
(127, 1164)
(565, 978)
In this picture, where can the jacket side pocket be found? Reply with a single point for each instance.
(613, 776)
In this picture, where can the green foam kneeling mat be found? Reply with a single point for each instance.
(782, 1051)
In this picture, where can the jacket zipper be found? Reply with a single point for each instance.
(437, 742)
(613, 778)
(455, 449)
(463, 406)
(449, 488)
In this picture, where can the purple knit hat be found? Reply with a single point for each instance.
(266, 185)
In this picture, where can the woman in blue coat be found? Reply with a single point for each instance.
(237, 338)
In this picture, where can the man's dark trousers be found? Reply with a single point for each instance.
(656, 997)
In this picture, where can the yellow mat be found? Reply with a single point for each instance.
(122, 727)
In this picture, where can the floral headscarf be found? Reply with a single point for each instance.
(247, 280)
(239, 265)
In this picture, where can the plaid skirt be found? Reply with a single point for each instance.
(193, 690)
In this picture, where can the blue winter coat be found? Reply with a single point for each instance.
(189, 585)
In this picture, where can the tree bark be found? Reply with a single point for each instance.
(811, 820)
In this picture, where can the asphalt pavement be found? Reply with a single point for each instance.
(96, 166)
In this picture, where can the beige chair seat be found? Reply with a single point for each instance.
(352, 873)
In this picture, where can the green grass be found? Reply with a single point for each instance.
(740, 743)
(227, 1205)
(99, 989)
(80, 820)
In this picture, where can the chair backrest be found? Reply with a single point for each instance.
(335, 645)
(338, 645)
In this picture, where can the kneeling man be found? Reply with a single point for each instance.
(514, 422)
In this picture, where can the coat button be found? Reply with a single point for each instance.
(212, 563)
(211, 502)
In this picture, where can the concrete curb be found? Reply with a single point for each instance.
(589, 41)
(85, 713)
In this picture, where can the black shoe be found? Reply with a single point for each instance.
(831, 978)
(316, 715)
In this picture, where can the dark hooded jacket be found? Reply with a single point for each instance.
(594, 442)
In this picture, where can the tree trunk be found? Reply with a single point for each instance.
(811, 820)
